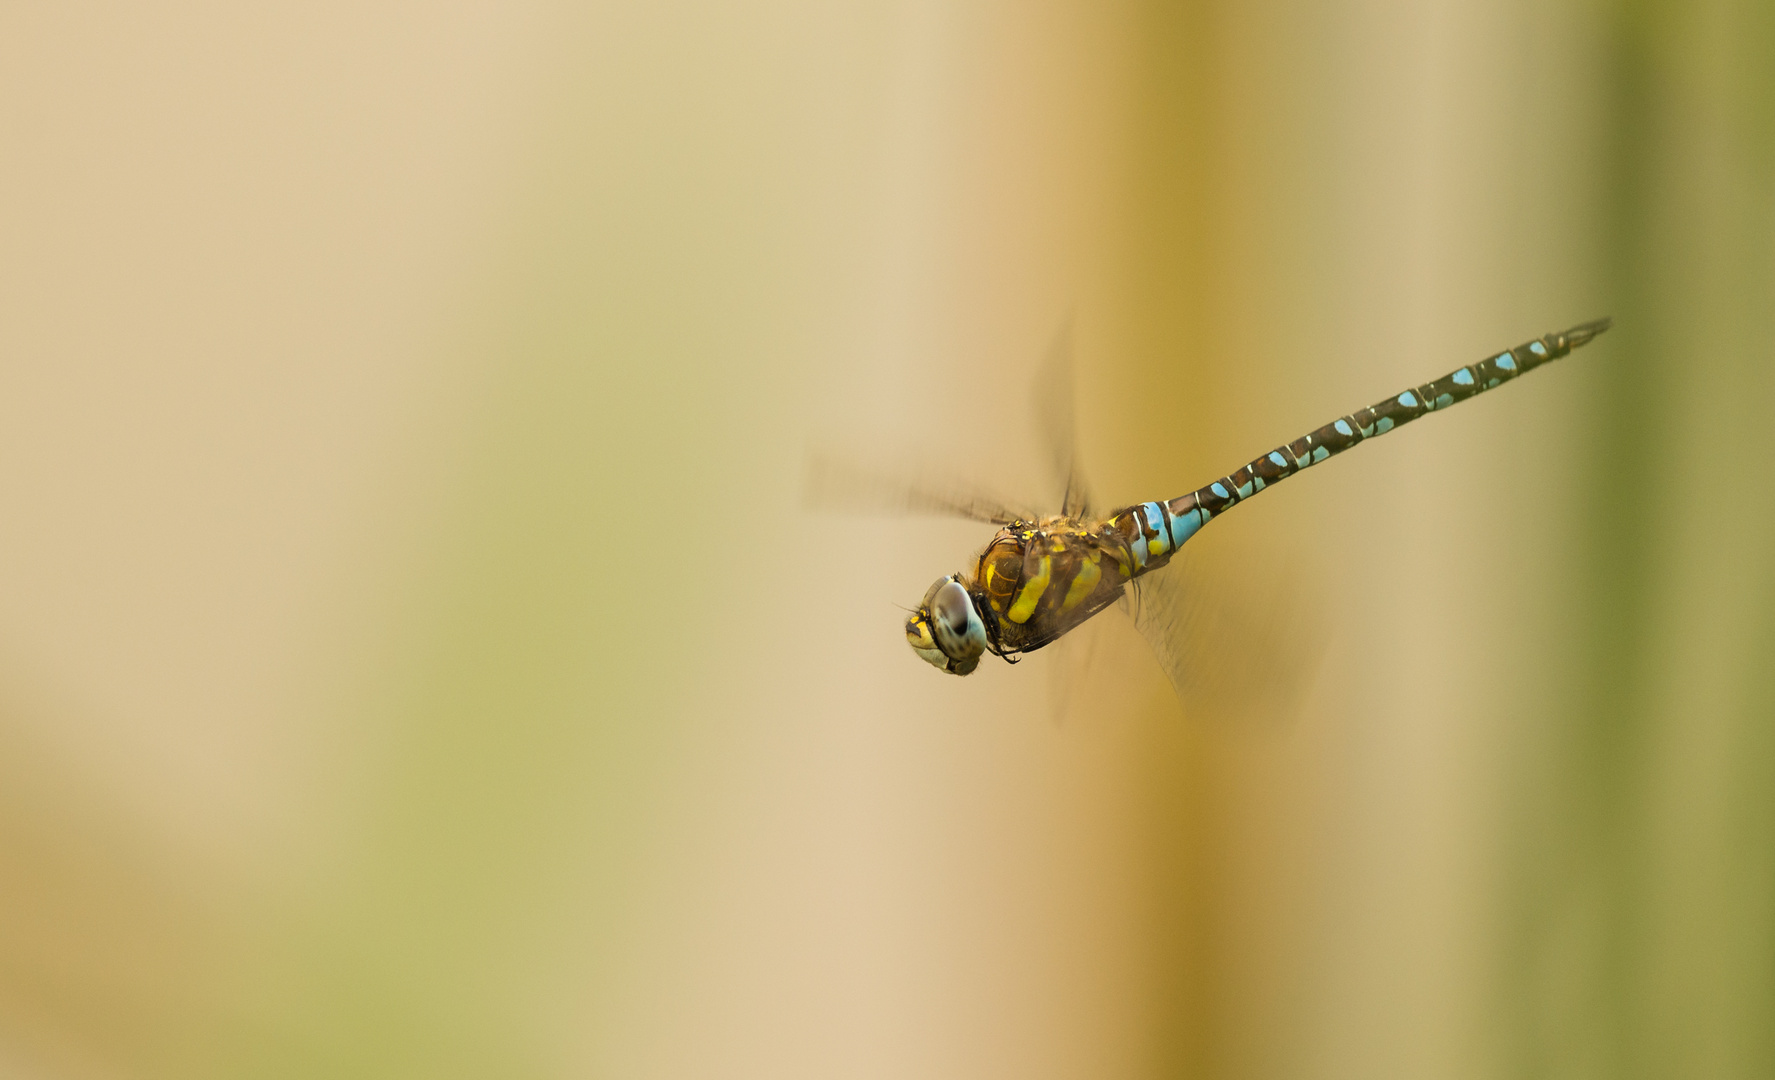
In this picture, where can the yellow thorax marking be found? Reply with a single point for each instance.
(1032, 593)
(1119, 552)
(1082, 584)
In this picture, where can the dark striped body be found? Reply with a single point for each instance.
(1036, 581)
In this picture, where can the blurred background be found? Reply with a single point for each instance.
(416, 659)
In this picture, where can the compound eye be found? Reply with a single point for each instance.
(952, 606)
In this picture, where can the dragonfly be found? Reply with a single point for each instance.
(1039, 579)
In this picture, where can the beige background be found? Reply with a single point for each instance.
(415, 659)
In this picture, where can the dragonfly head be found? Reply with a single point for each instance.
(946, 630)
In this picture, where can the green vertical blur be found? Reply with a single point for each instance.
(1640, 936)
(1635, 923)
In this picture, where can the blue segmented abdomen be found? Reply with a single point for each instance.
(1181, 518)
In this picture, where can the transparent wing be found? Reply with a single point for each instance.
(833, 485)
(833, 482)
(1056, 424)
(1070, 665)
(1230, 635)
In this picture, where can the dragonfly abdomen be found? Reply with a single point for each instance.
(1188, 514)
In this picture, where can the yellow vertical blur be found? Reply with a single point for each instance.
(416, 659)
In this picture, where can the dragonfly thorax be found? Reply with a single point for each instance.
(1033, 583)
(946, 630)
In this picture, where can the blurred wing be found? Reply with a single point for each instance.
(841, 487)
(1069, 663)
(1055, 422)
(834, 484)
(1230, 653)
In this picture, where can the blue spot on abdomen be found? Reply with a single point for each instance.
(1184, 526)
(1155, 519)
